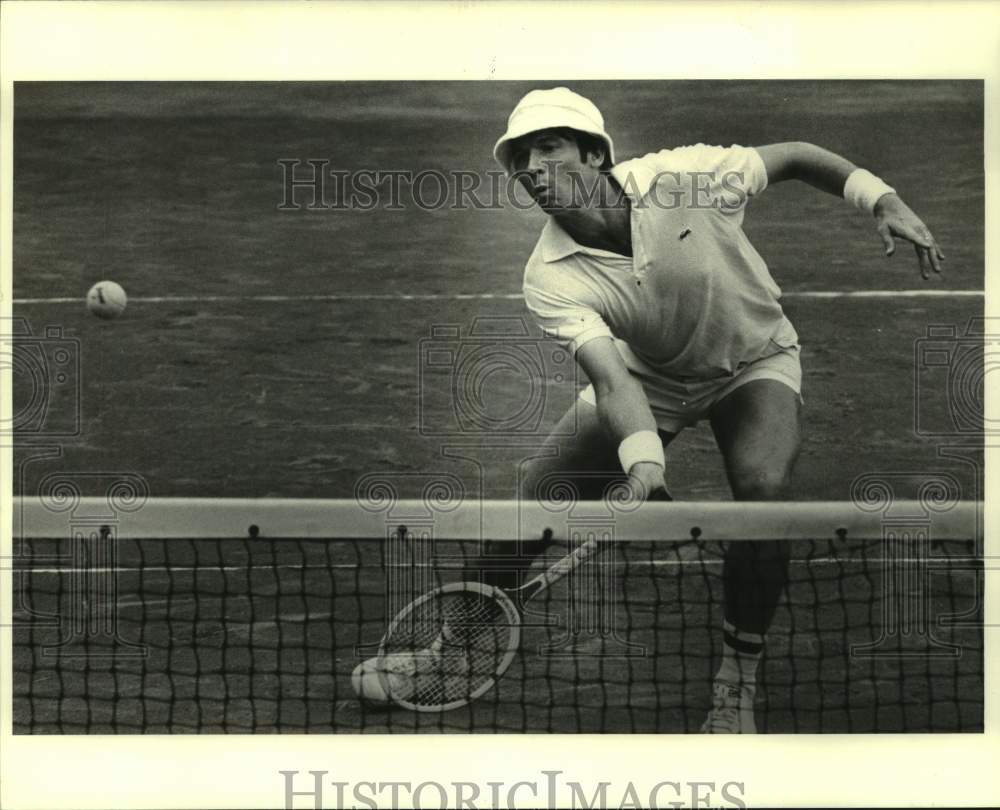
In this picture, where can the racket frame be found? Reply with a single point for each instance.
(506, 600)
(511, 613)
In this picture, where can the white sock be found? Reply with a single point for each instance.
(738, 668)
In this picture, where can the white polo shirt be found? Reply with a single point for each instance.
(695, 301)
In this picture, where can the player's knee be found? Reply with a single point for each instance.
(760, 484)
(532, 477)
(541, 480)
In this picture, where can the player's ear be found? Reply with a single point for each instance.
(595, 158)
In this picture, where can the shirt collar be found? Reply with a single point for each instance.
(634, 178)
(556, 243)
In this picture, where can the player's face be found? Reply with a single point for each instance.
(551, 170)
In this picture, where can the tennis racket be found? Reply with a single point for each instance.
(450, 646)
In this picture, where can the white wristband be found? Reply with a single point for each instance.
(863, 189)
(643, 445)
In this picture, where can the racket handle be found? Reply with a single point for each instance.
(559, 569)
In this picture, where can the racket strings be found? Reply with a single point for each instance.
(447, 649)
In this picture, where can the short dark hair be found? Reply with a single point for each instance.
(587, 144)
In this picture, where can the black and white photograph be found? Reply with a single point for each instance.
(447, 411)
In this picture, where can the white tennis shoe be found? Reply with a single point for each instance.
(732, 710)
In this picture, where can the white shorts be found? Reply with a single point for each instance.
(677, 405)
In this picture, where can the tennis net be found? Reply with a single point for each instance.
(215, 616)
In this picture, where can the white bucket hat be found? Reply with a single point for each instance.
(547, 109)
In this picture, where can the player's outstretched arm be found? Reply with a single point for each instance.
(624, 411)
(893, 217)
(834, 174)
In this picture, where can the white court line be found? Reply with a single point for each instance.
(202, 299)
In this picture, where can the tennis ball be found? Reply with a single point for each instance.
(367, 683)
(106, 299)
(374, 679)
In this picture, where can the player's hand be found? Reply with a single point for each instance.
(646, 483)
(893, 217)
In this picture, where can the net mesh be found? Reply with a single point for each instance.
(125, 635)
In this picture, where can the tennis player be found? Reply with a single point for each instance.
(643, 271)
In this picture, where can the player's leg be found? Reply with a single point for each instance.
(578, 460)
(758, 432)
